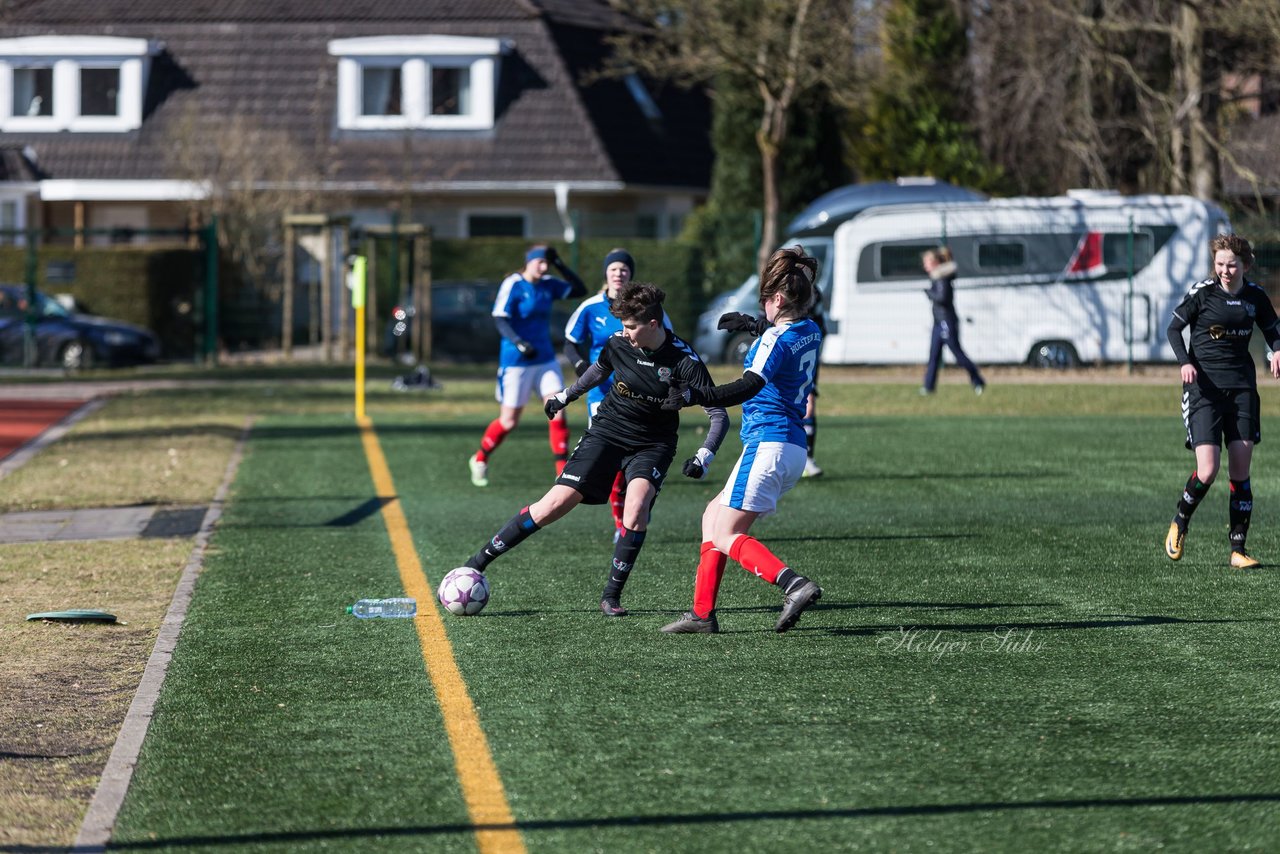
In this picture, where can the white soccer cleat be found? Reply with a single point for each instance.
(479, 472)
(811, 469)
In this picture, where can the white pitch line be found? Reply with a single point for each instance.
(100, 819)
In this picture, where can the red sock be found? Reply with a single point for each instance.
(707, 583)
(493, 436)
(756, 558)
(558, 429)
(618, 499)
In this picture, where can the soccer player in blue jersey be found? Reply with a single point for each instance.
(773, 392)
(633, 432)
(590, 326)
(527, 360)
(1220, 403)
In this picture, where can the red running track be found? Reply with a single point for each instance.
(23, 420)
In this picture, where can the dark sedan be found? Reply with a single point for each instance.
(461, 324)
(67, 339)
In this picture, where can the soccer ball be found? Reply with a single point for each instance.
(464, 591)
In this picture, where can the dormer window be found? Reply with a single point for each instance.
(430, 82)
(73, 83)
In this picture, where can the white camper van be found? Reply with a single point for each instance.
(1090, 276)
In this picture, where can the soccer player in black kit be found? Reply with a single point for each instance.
(630, 432)
(1220, 387)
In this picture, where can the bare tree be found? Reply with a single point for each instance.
(253, 177)
(1114, 92)
(781, 49)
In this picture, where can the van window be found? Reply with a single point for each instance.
(1115, 250)
(993, 255)
(898, 260)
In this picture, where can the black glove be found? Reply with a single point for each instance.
(736, 321)
(697, 465)
(526, 349)
(553, 257)
(555, 403)
(681, 394)
(580, 367)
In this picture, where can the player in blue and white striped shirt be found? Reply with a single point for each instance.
(773, 392)
(527, 360)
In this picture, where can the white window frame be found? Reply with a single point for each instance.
(19, 202)
(415, 56)
(67, 55)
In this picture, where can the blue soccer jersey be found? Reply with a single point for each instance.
(592, 324)
(527, 307)
(787, 357)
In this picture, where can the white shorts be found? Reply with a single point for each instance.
(762, 475)
(516, 384)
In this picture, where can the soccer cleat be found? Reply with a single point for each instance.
(979, 389)
(1173, 542)
(691, 624)
(479, 472)
(803, 594)
(811, 469)
(612, 608)
(1240, 560)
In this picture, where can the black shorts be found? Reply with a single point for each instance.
(595, 463)
(1214, 416)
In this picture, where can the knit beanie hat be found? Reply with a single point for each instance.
(623, 256)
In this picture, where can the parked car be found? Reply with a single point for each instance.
(70, 340)
(462, 327)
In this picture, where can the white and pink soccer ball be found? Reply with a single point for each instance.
(464, 591)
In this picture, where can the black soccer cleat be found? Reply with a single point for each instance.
(612, 608)
(803, 594)
(691, 624)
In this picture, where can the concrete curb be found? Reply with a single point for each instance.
(100, 819)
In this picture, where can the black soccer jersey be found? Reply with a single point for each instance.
(632, 410)
(1221, 326)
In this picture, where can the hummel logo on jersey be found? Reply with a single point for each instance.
(643, 362)
(572, 477)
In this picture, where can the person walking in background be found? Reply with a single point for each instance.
(590, 326)
(1220, 387)
(946, 324)
(632, 432)
(527, 360)
(772, 390)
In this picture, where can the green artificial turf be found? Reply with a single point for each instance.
(1003, 658)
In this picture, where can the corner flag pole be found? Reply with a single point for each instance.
(356, 282)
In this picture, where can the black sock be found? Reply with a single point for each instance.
(788, 579)
(1191, 495)
(518, 528)
(1241, 510)
(810, 433)
(625, 552)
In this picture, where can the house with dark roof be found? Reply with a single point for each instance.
(474, 117)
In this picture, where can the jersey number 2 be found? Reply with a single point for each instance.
(807, 363)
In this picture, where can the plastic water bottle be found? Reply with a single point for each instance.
(398, 607)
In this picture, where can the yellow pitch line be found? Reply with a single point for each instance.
(482, 790)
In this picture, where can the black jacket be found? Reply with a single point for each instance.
(941, 286)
